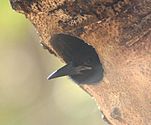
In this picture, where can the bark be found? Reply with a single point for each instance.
(120, 32)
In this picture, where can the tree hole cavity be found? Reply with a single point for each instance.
(76, 51)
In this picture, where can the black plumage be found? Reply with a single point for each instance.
(83, 64)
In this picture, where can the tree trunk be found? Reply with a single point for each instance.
(120, 32)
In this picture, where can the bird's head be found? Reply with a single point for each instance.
(83, 64)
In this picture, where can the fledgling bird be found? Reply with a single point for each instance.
(89, 71)
(82, 62)
(69, 70)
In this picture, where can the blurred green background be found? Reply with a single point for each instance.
(26, 97)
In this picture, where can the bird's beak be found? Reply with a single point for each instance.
(63, 71)
(69, 70)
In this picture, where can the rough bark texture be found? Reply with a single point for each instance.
(120, 31)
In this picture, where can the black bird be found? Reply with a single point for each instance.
(90, 71)
(83, 64)
(70, 70)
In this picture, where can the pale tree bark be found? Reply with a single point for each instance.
(120, 32)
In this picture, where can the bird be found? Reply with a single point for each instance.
(82, 62)
(69, 69)
(89, 71)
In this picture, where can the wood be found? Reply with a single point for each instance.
(120, 32)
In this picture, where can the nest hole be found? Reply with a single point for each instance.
(75, 50)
